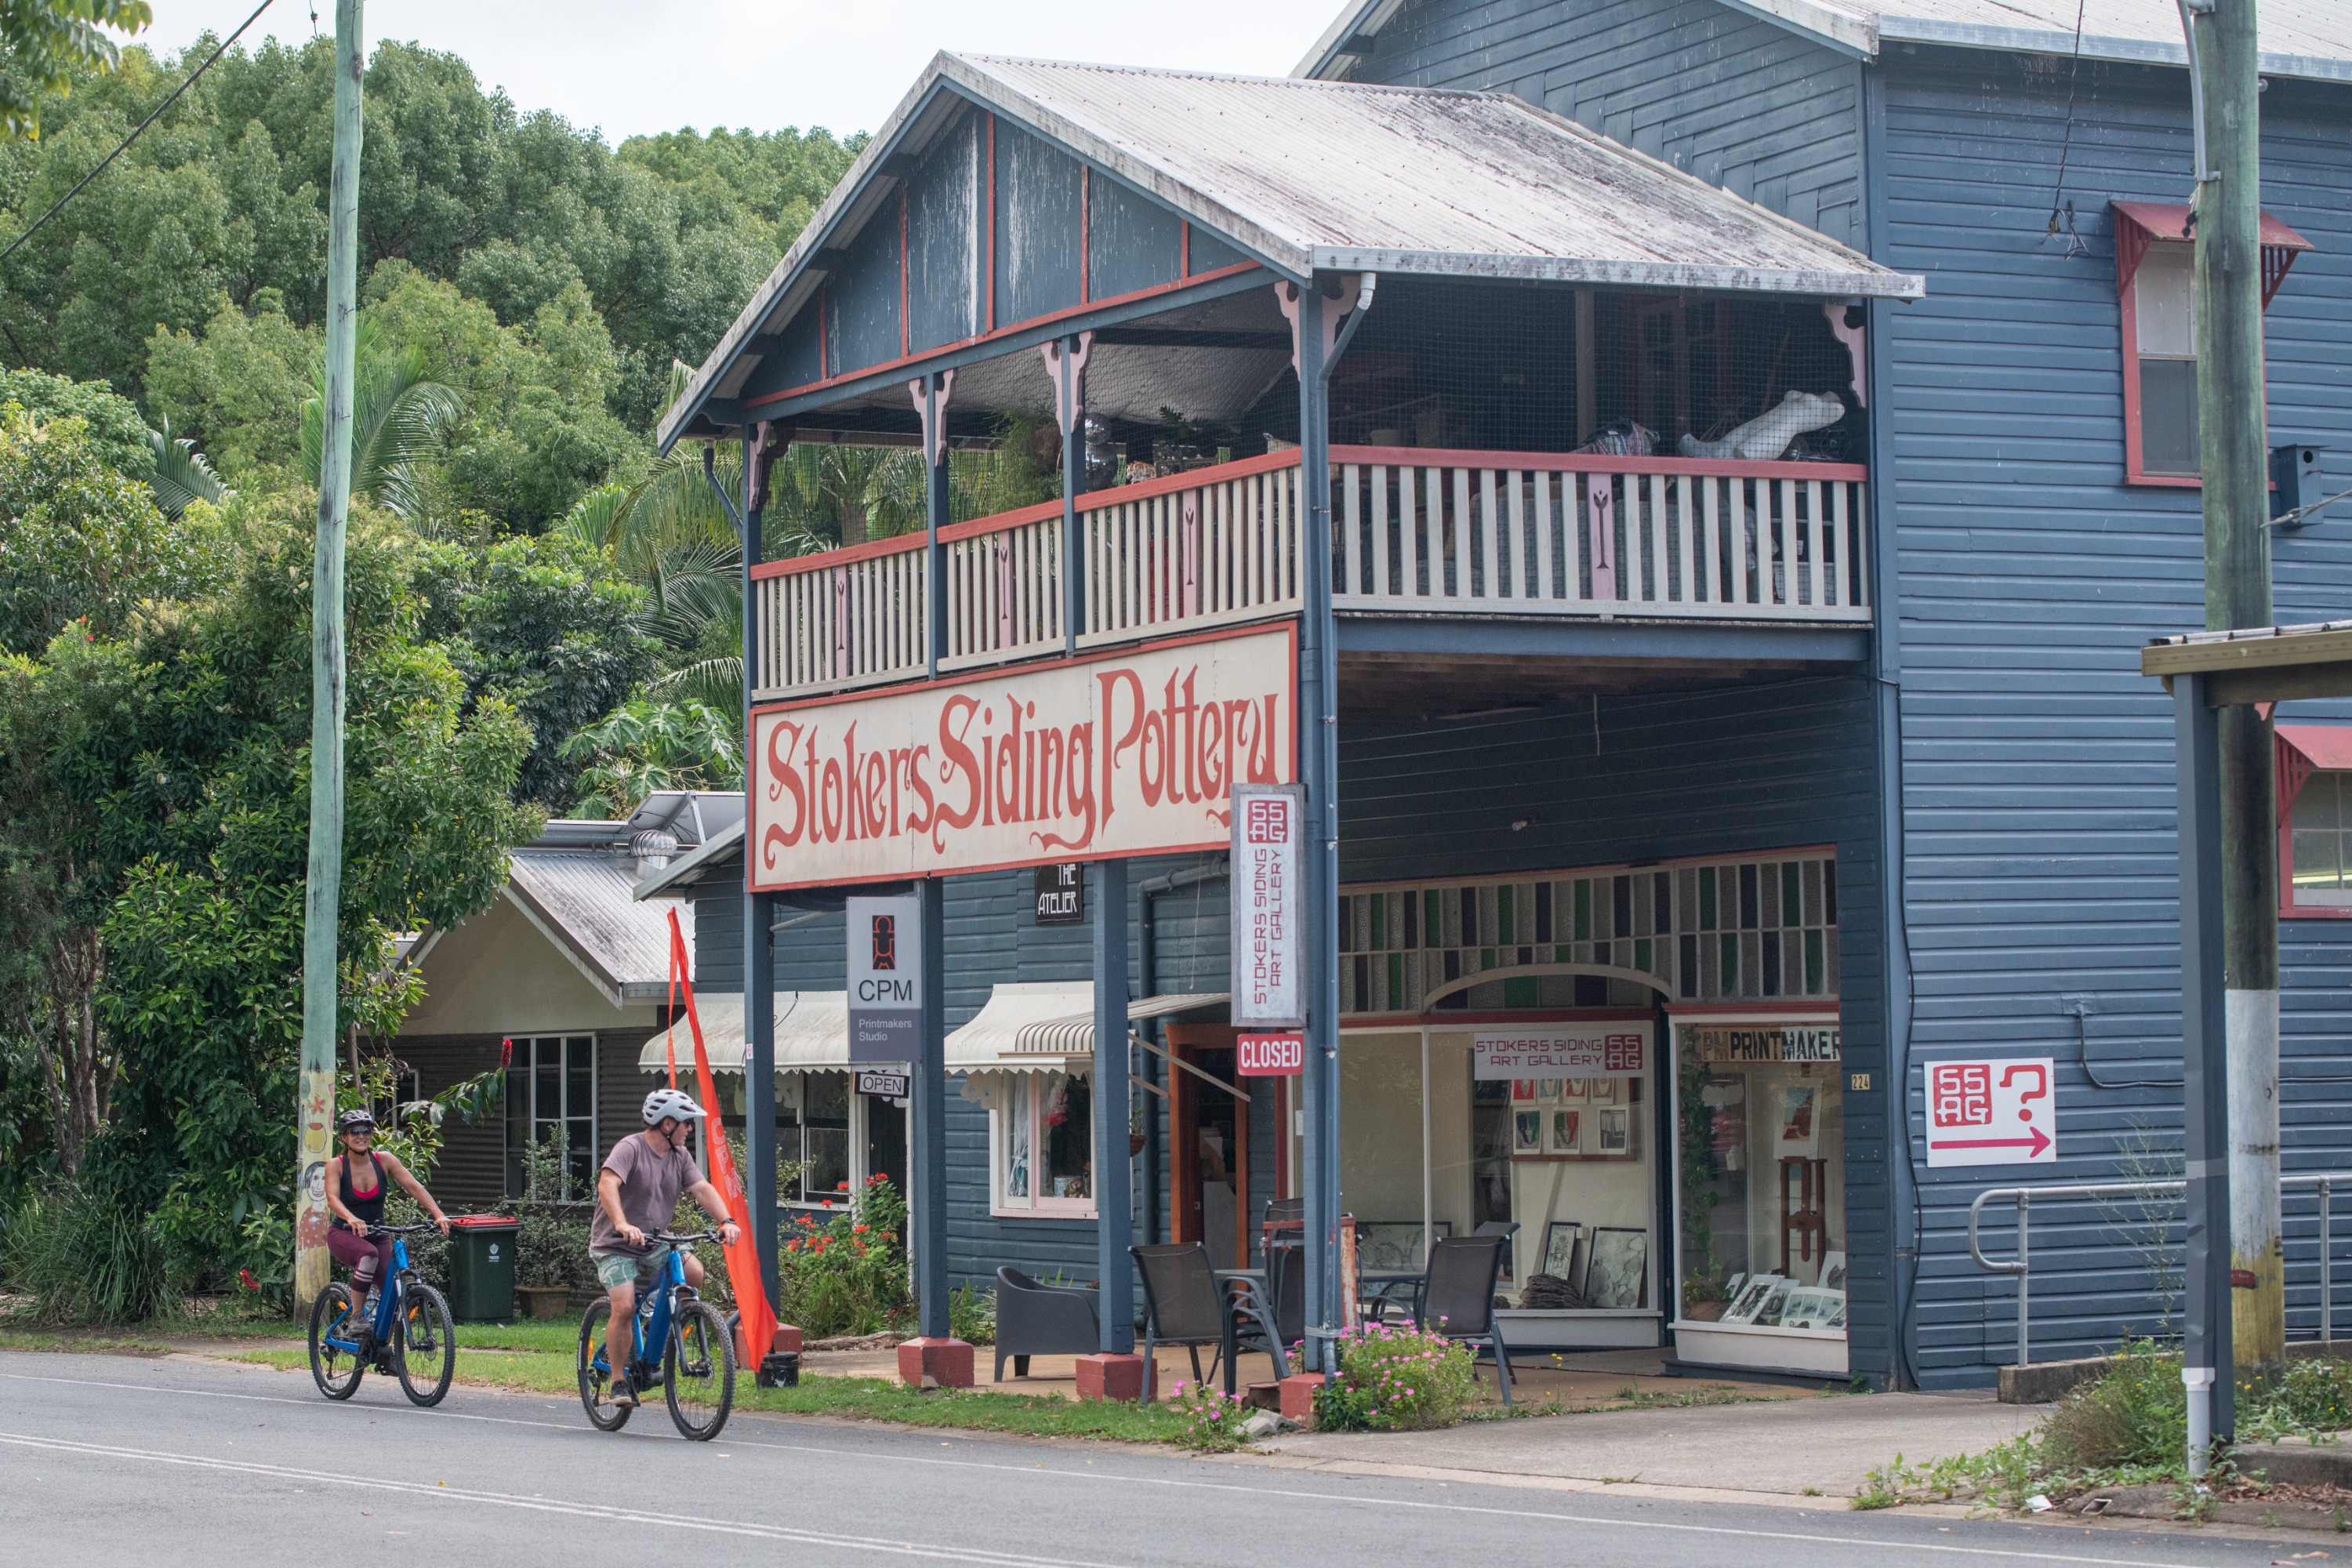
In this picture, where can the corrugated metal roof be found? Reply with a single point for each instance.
(581, 900)
(2299, 37)
(1315, 175)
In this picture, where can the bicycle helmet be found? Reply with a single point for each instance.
(664, 1103)
(354, 1121)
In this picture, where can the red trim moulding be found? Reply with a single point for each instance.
(888, 366)
(1593, 463)
(1288, 628)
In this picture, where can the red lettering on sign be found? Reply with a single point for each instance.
(1960, 1094)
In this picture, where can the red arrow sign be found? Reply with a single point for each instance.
(2034, 1145)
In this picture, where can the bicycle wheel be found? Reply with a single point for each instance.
(698, 1371)
(423, 1346)
(335, 1314)
(594, 1381)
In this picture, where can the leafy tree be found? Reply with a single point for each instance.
(110, 422)
(400, 418)
(236, 386)
(643, 746)
(45, 40)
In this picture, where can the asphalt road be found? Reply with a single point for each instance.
(106, 1459)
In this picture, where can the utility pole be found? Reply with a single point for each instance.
(323, 892)
(2233, 458)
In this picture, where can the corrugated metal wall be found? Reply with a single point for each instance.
(2038, 764)
(1739, 101)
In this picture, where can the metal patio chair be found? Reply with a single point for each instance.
(1456, 1298)
(1035, 1318)
(1186, 1304)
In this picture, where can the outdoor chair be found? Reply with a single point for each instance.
(1284, 1224)
(1186, 1304)
(1033, 1319)
(1456, 1298)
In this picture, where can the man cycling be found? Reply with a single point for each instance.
(637, 1192)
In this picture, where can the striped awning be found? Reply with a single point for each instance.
(1029, 1024)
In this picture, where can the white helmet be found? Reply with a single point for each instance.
(662, 1104)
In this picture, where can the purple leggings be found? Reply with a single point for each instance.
(369, 1261)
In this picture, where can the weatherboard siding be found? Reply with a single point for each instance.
(2037, 763)
(1742, 102)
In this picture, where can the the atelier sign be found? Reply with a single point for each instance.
(1270, 831)
(1270, 1056)
(883, 1085)
(885, 980)
(1118, 754)
(1999, 1110)
(1591, 1050)
(1754, 1041)
(1061, 895)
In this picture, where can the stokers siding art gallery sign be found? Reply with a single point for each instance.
(1128, 753)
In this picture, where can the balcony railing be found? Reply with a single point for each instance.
(1415, 530)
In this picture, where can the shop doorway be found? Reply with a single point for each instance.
(886, 1140)
(1208, 1144)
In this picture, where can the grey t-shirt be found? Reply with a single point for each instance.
(650, 1182)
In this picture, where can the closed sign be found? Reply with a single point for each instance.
(1270, 1056)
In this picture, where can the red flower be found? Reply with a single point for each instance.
(244, 1277)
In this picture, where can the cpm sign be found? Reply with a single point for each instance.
(1270, 1056)
(1995, 1111)
(886, 979)
(1113, 756)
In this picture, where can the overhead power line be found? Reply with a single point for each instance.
(143, 125)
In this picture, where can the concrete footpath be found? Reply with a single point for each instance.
(1817, 1446)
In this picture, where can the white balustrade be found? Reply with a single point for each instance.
(1453, 533)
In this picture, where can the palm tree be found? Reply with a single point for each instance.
(400, 417)
(182, 475)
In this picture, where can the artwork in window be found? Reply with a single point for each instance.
(1812, 1307)
(1527, 1132)
(1775, 1302)
(1618, 1274)
(1572, 1088)
(1562, 1239)
(1797, 1124)
(1566, 1127)
(1066, 1132)
(1603, 1089)
(1616, 1127)
(1523, 1089)
(1833, 1272)
(1749, 1298)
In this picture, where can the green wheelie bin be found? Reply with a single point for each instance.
(482, 1268)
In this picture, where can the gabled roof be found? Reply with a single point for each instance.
(2299, 37)
(1313, 175)
(579, 901)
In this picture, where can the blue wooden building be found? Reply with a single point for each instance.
(1751, 482)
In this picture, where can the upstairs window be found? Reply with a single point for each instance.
(2313, 770)
(2156, 287)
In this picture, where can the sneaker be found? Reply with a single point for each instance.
(622, 1394)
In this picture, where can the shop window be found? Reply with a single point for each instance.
(2319, 825)
(2155, 289)
(550, 1094)
(1040, 1136)
(823, 1137)
(1762, 1147)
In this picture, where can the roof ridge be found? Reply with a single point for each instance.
(1193, 74)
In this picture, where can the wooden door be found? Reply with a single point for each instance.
(1196, 1106)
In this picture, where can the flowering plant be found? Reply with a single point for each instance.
(1395, 1378)
(1212, 1418)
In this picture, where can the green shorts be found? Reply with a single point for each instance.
(614, 1269)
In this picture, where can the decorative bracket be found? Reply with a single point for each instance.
(756, 483)
(1285, 294)
(1852, 337)
(935, 430)
(1069, 397)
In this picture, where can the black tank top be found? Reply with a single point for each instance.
(370, 1206)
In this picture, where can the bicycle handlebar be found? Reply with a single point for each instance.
(674, 1237)
(404, 1229)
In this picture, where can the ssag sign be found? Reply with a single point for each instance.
(885, 980)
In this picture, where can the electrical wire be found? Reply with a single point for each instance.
(125, 144)
(2074, 246)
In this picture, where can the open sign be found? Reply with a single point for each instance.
(1270, 1056)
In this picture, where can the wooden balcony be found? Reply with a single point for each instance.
(1415, 531)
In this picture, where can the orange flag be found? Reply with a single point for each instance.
(743, 1269)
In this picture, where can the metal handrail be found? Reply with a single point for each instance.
(2326, 1182)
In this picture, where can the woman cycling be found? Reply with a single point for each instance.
(359, 1210)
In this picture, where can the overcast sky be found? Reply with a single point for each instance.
(637, 66)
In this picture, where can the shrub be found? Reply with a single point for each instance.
(2135, 1413)
(1212, 1418)
(550, 1223)
(86, 1260)
(971, 1315)
(1396, 1379)
(848, 1277)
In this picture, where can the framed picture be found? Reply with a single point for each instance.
(1811, 1307)
(1618, 1272)
(1776, 1301)
(1749, 1300)
(1833, 1272)
(1523, 1089)
(1731, 1289)
(1616, 1128)
(1563, 1239)
(1566, 1127)
(1571, 1089)
(1547, 1088)
(1604, 1090)
(1526, 1131)
(1394, 1246)
(1798, 1121)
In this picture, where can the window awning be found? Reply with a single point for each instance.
(2137, 223)
(1031, 1027)
(812, 1033)
(2304, 749)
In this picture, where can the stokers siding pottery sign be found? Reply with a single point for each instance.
(1269, 829)
(1122, 754)
(1592, 1050)
(1754, 1041)
(885, 980)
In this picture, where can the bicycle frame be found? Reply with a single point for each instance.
(388, 1303)
(649, 1324)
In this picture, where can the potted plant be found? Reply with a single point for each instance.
(552, 1233)
(1135, 1139)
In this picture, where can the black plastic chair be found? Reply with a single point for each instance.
(1033, 1319)
(1284, 1224)
(1456, 1298)
(1186, 1304)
